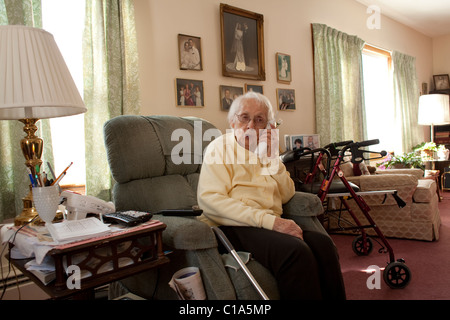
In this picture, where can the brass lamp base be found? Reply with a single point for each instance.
(32, 148)
(28, 212)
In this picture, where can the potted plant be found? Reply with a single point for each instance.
(428, 150)
(406, 160)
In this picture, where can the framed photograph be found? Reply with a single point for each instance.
(189, 93)
(254, 87)
(441, 82)
(190, 52)
(283, 62)
(242, 35)
(227, 96)
(286, 99)
(298, 141)
(287, 142)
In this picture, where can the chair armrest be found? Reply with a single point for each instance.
(303, 204)
(187, 233)
(304, 208)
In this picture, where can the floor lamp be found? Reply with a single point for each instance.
(35, 83)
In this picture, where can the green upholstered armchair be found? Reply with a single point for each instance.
(139, 150)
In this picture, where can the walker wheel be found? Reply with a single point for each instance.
(358, 246)
(397, 275)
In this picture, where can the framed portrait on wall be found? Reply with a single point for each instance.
(190, 52)
(189, 93)
(227, 96)
(283, 62)
(286, 99)
(242, 35)
(254, 87)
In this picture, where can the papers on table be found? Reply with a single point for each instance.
(74, 230)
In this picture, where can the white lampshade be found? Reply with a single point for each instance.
(434, 109)
(35, 82)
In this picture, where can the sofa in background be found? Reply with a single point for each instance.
(419, 219)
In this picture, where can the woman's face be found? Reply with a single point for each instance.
(252, 117)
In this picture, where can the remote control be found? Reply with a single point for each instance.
(181, 212)
(127, 218)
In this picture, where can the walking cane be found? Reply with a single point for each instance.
(219, 233)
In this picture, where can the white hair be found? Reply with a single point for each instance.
(238, 103)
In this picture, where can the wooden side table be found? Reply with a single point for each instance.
(104, 260)
(434, 174)
(437, 165)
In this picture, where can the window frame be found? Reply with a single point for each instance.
(376, 51)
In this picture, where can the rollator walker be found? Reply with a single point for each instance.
(396, 274)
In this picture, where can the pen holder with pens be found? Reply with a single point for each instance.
(46, 201)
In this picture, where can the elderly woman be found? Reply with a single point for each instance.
(242, 188)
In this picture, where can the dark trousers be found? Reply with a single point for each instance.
(306, 269)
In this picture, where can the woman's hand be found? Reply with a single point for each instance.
(288, 226)
(270, 137)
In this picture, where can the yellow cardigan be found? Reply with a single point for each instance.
(236, 189)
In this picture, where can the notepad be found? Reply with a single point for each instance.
(75, 230)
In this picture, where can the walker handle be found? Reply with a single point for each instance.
(338, 144)
(367, 143)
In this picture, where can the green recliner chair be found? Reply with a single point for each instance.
(141, 151)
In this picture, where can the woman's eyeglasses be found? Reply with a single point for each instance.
(258, 121)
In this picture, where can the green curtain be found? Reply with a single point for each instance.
(14, 182)
(406, 99)
(111, 82)
(338, 85)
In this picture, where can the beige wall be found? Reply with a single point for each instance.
(287, 29)
(441, 54)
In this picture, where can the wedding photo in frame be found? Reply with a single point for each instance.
(286, 99)
(227, 96)
(284, 74)
(242, 35)
(189, 93)
(190, 52)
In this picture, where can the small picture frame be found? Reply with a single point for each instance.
(242, 36)
(286, 99)
(311, 141)
(441, 82)
(284, 67)
(227, 96)
(254, 88)
(190, 52)
(189, 93)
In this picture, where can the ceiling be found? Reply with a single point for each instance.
(430, 17)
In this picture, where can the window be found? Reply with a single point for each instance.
(65, 20)
(379, 99)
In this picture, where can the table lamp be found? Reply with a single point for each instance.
(433, 110)
(35, 83)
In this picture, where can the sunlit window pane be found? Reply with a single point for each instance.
(65, 20)
(379, 107)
